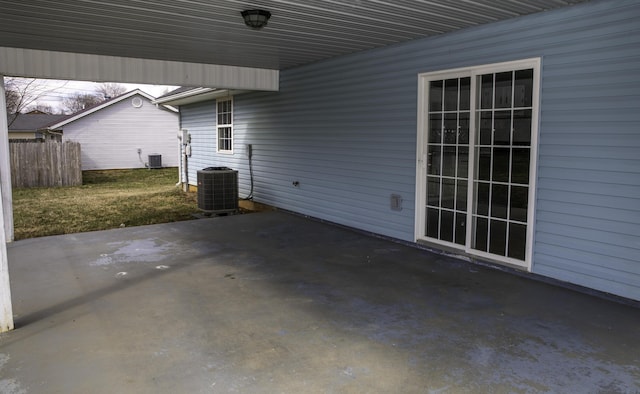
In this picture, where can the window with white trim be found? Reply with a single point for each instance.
(224, 126)
(478, 133)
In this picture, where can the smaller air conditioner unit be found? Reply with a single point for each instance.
(155, 161)
(218, 190)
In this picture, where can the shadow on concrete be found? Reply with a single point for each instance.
(274, 302)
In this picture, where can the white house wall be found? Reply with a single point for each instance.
(110, 138)
(345, 129)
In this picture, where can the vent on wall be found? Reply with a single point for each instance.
(217, 190)
(155, 161)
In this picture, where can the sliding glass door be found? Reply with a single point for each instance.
(476, 157)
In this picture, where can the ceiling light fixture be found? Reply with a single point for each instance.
(256, 19)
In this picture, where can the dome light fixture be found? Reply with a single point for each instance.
(256, 19)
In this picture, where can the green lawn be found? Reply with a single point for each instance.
(107, 199)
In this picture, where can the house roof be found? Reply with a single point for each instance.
(102, 105)
(33, 121)
(213, 32)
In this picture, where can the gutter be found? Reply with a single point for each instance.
(195, 95)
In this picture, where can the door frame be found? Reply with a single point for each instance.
(421, 157)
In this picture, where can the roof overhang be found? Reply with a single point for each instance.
(35, 63)
(196, 95)
(213, 31)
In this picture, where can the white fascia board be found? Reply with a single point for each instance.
(168, 107)
(36, 63)
(196, 95)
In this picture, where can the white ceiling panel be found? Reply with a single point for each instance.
(212, 31)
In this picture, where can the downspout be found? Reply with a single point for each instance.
(185, 162)
(179, 183)
(185, 138)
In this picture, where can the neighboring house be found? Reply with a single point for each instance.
(33, 125)
(122, 132)
(515, 143)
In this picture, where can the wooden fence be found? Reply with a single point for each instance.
(45, 163)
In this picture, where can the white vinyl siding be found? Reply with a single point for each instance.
(110, 138)
(200, 119)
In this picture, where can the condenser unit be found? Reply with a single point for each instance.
(155, 161)
(218, 190)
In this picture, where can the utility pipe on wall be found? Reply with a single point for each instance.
(185, 149)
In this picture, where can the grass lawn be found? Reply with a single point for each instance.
(107, 199)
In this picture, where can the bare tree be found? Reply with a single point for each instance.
(109, 90)
(79, 101)
(22, 93)
(44, 108)
(12, 98)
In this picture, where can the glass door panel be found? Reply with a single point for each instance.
(448, 159)
(501, 176)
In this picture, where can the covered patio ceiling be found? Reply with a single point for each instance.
(213, 32)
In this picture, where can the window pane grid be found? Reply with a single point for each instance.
(501, 177)
(447, 162)
(224, 125)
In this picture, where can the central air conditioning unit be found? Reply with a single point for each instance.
(155, 161)
(217, 190)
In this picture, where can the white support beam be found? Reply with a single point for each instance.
(6, 311)
(5, 167)
(33, 63)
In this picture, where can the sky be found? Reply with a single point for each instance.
(59, 89)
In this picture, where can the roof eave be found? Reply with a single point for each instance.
(196, 95)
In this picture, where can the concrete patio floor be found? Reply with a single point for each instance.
(275, 303)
